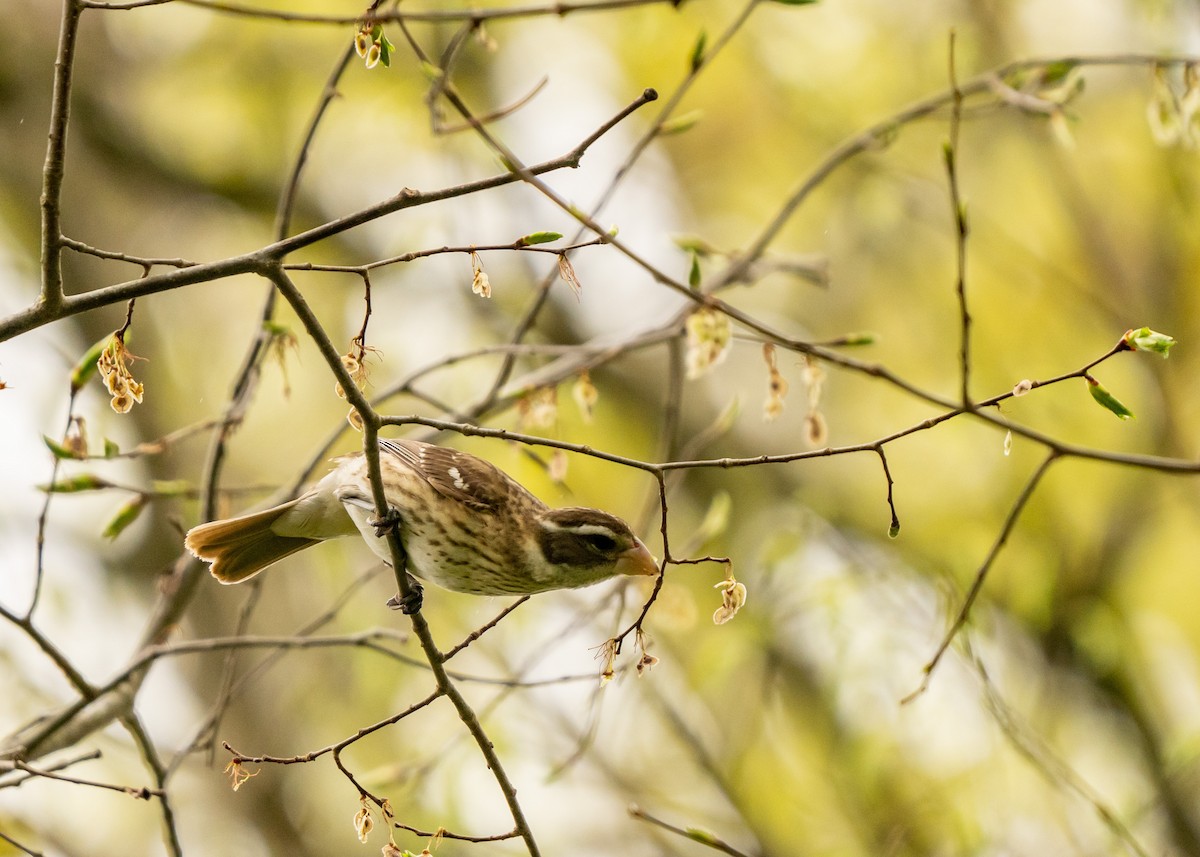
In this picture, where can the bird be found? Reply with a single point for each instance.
(464, 525)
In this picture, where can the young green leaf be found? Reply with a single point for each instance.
(725, 420)
(692, 244)
(681, 123)
(75, 484)
(856, 339)
(703, 837)
(172, 487)
(694, 272)
(385, 49)
(1056, 72)
(125, 516)
(716, 519)
(1106, 399)
(538, 238)
(1145, 339)
(86, 367)
(58, 450)
(277, 330)
(697, 58)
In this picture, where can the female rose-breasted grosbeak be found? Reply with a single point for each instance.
(464, 525)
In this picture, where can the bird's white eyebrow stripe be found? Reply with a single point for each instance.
(582, 529)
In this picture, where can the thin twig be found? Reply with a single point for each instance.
(445, 684)
(51, 298)
(243, 758)
(1045, 761)
(694, 834)
(483, 629)
(24, 849)
(442, 833)
(43, 521)
(964, 611)
(142, 793)
(133, 725)
(61, 765)
(82, 686)
(557, 8)
(961, 229)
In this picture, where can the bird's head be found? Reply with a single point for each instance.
(586, 545)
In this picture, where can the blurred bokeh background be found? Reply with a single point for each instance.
(1066, 718)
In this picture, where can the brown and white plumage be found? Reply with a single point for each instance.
(464, 524)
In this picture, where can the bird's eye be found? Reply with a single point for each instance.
(599, 542)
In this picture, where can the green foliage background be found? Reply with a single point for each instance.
(1065, 720)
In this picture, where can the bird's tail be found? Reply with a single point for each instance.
(240, 548)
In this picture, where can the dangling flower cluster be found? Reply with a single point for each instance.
(586, 395)
(280, 340)
(539, 408)
(816, 432)
(238, 774)
(1175, 119)
(557, 469)
(480, 284)
(777, 385)
(733, 597)
(567, 271)
(607, 654)
(372, 44)
(364, 821)
(646, 660)
(708, 336)
(485, 40)
(355, 361)
(117, 378)
(356, 367)
(75, 440)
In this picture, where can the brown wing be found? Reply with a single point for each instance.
(459, 476)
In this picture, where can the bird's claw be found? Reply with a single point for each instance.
(410, 603)
(385, 524)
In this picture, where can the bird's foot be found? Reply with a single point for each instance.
(410, 603)
(386, 524)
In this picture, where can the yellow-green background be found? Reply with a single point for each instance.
(782, 731)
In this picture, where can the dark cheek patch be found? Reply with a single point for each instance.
(565, 549)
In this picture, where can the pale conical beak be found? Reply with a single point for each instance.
(637, 560)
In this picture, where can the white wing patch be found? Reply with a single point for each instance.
(459, 482)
